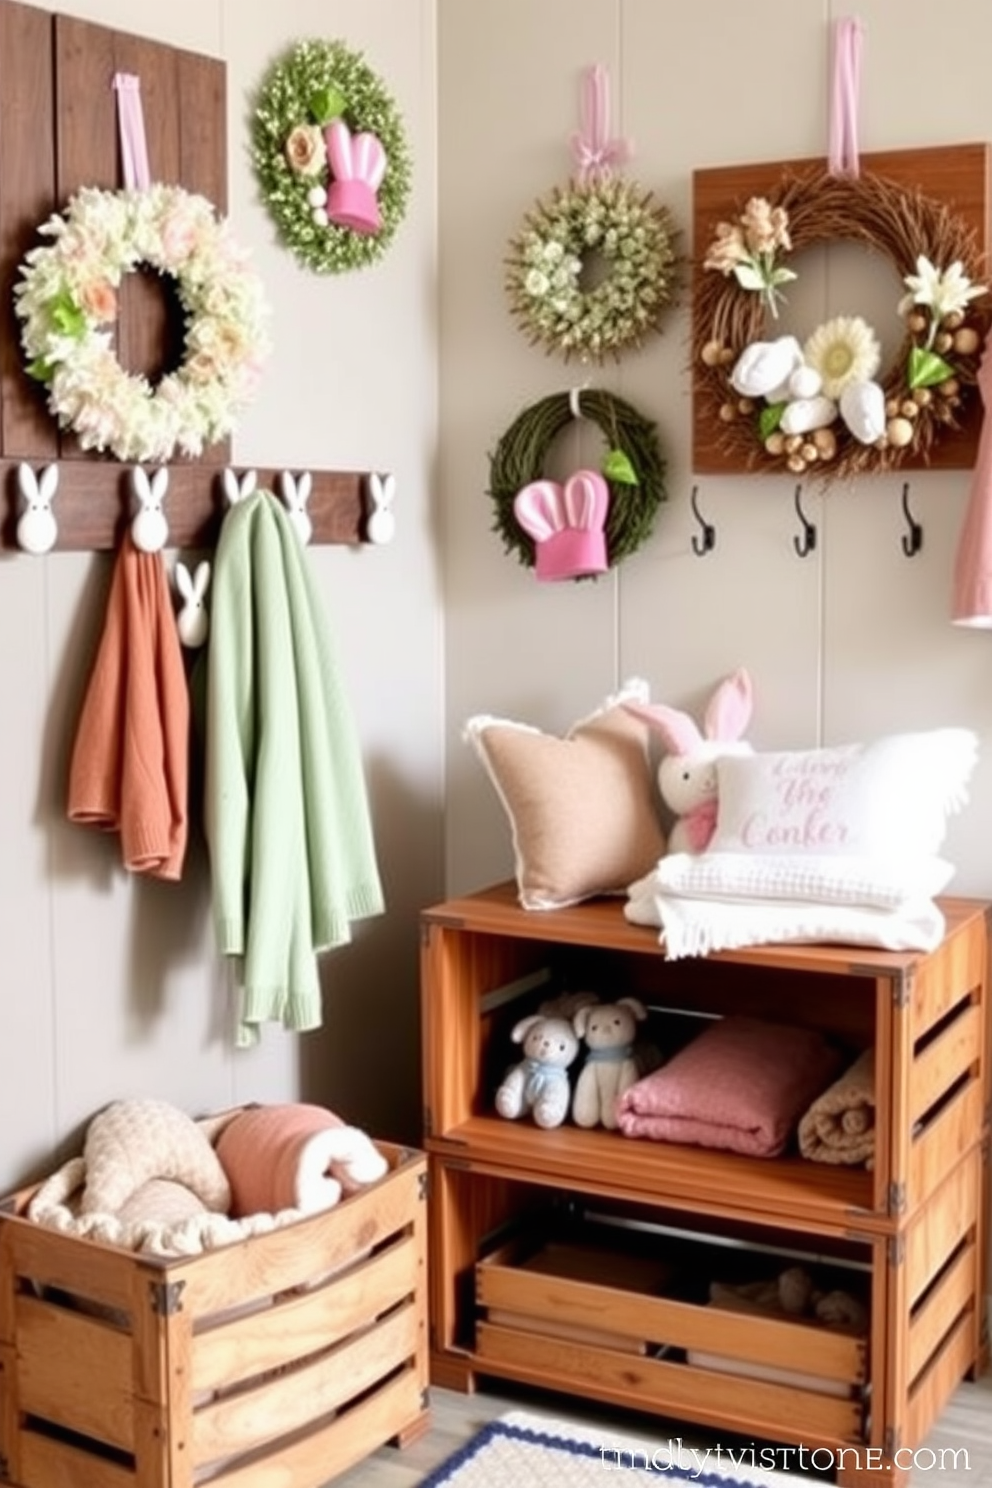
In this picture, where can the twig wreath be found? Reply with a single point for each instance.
(549, 262)
(633, 466)
(824, 406)
(331, 156)
(66, 299)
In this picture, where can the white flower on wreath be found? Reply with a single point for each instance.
(944, 291)
(843, 351)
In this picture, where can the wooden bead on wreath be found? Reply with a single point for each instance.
(600, 220)
(825, 406)
(331, 156)
(597, 517)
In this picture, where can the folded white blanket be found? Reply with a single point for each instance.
(867, 882)
(694, 926)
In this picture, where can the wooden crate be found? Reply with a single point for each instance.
(285, 1357)
(626, 1322)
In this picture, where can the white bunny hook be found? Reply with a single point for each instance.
(381, 524)
(238, 488)
(149, 528)
(295, 493)
(37, 528)
(193, 621)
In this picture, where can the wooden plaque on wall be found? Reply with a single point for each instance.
(957, 175)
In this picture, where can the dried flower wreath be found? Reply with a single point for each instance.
(824, 406)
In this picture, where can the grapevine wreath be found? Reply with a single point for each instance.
(66, 299)
(606, 222)
(317, 85)
(826, 406)
(633, 465)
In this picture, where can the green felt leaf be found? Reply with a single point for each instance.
(327, 104)
(769, 419)
(67, 316)
(617, 467)
(748, 277)
(927, 369)
(41, 369)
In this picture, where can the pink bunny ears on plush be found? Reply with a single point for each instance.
(727, 715)
(566, 523)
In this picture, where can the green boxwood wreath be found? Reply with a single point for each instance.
(521, 453)
(309, 85)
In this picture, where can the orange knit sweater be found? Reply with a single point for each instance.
(130, 763)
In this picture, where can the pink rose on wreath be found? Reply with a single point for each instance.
(100, 301)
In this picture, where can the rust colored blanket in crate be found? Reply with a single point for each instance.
(741, 1084)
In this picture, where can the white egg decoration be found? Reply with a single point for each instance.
(806, 414)
(862, 408)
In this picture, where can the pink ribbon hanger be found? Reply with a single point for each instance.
(595, 153)
(131, 128)
(844, 96)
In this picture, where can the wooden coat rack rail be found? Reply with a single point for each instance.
(94, 504)
(58, 132)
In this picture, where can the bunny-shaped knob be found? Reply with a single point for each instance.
(149, 529)
(358, 164)
(296, 493)
(566, 523)
(37, 528)
(236, 489)
(381, 524)
(193, 621)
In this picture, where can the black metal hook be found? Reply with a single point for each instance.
(912, 538)
(705, 540)
(807, 543)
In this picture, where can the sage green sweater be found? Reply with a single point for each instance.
(285, 810)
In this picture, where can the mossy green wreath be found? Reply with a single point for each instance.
(313, 83)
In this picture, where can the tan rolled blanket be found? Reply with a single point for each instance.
(839, 1126)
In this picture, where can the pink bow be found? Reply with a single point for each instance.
(595, 153)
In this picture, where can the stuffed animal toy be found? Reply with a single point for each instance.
(540, 1083)
(687, 776)
(611, 1067)
(793, 1294)
(566, 1004)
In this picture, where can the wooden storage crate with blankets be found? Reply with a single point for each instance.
(295, 1350)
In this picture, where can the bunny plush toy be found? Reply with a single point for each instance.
(687, 775)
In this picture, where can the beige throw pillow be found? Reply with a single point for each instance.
(582, 808)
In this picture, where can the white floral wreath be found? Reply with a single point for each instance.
(609, 217)
(67, 301)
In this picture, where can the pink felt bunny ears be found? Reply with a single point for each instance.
(358, 165)
(566, 523)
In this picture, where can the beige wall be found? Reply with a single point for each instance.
(844, 644)
(111, 986)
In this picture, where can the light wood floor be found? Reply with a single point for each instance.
(966, 1423)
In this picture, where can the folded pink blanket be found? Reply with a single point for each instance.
(741, 1084)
